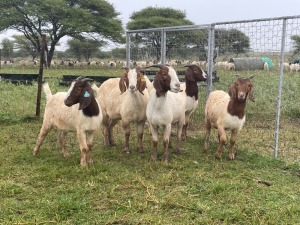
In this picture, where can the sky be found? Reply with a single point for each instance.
(206, 11)
(212, 11)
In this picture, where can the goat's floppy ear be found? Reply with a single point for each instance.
(189, 74)
(251, 93)
(85, 98)
(232, 90)
(158, 85)
(141, 83)
(122, 84)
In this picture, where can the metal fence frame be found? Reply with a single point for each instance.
(210, 51)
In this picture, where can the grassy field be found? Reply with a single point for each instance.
(119, 188)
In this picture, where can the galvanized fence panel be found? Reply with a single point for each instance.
(261, 47)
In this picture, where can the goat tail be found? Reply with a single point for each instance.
(95, 88)
(47, 91)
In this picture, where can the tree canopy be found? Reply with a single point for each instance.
(296, 44)
(177, 42)
(83, 48)
(59, 18)
(7, 48)
(153, 17)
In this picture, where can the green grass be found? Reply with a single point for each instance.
(120, 188)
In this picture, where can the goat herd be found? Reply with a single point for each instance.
(133, 98)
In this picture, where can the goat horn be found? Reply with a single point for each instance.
(80, 78)
(251, 77)
(87, 79)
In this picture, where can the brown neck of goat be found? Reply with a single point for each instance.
(92, 109)
(237, 108)
(191, 88)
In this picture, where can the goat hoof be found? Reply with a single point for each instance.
(231, 156)
(153, 157)
(83, 164)
(126, 150)
(218, 156)
(65, 155)
(165, 159)
(178, 152)
(140, 150)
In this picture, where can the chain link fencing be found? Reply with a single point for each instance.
(269, 49)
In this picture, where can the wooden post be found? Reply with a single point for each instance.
(40, 79)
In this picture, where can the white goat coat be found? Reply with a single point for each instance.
(127, 106)
(216, 112)
(167, 109)
(68, 118)
(191, 102)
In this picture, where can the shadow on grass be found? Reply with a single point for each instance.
(7, 119)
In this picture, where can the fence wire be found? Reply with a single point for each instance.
(266, 48)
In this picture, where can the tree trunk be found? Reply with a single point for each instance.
(51, 52)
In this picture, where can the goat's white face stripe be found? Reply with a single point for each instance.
(132, 77)
(70, 89)
(204, 74)
(174, 80)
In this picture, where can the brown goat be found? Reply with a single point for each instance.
(225, 111)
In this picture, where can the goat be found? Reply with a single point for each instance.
(165, 107)
(63, 112)
(124, 99)
(193, 75)
(225, 111)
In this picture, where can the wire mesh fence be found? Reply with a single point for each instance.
(266, 48)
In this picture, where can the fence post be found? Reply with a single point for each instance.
(163, 46)
(128, 49)
(40, 79)
(211, 42)
(280, 88)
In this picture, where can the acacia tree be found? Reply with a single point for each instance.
(25, 45)
(226, 41)
(84, 48)
(231, 41)
(296, 44)
(60, 18)
(7, 48)
(154, 17)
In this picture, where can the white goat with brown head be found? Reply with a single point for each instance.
(193, 75)
(225, 111)
(124, 99)
(165, 106)
(75, 110)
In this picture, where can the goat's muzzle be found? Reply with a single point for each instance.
(241, 96)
